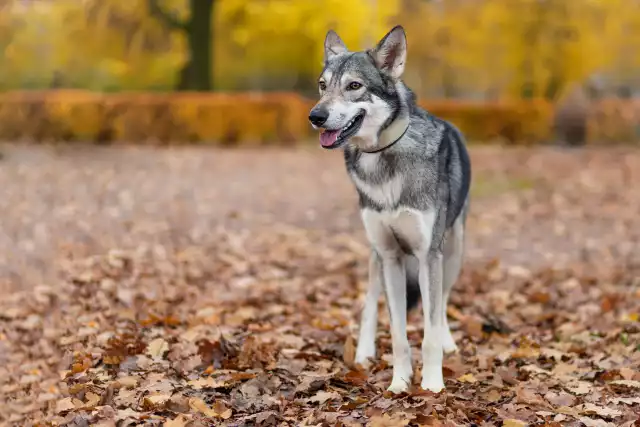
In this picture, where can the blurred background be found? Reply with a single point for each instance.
(206, 74)
(533, 63)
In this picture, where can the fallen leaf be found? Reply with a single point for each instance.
(467, 378)
(580, 387)
(590, 408)
(589, 422)
(128, 382)
(492, 395)
(92, 400)
(626, 400)
(207, 382)
(156, 400)
(514, 423)
(322, 396)
(200, 406)
(65, 404)
(219, 410)
(626, 383)
(157, 348)
(180, 421)
(349, 352)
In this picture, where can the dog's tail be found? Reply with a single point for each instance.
(413, 286)
(413, 292)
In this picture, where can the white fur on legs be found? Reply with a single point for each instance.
(369, 321)
(448, 343)
(453, 252)
(395, 283)
(430, 278)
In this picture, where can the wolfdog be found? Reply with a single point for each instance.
(412, 173)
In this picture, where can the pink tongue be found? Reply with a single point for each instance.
(328, 137)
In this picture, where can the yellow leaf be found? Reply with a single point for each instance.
(200, 406)
(467, 378)
(219, 410)
(514, 423)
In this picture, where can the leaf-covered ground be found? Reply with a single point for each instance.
(202, 287)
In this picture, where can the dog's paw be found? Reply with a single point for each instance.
(364, 357)
(432, 379)
(365, 362)
(449, 348)
(398, 385)
(448, 344)
(432, 385)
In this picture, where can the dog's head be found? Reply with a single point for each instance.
(360, 92)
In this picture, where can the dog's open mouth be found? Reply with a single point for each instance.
(335, 138)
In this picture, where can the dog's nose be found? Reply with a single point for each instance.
(318, 116)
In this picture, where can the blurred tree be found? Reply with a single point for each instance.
(483, 49)
(196, 73)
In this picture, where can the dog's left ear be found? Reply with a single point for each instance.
(391, 52)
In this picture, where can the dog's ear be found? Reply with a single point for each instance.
(333, 45)
(391, 52)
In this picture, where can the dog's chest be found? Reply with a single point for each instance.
(385, 192)
(406, 230)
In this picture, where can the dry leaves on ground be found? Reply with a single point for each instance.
(257, 326)
(267, 342)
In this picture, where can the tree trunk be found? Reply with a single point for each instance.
(197, 72)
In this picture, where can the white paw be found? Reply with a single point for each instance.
(365, 351)
(399, 385)
(432, 379)
(432, 385)
(448, 344)
(364, 359)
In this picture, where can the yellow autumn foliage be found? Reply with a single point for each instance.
(224, 118)
(493, 67)
(480, 50)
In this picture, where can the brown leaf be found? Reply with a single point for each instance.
(322, 396)
(349, 352)
(590, 408)
(180, 421)
(92, 400)
(200, 406)
(64, 405)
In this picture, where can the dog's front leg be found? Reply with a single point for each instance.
(395, 283)
(369, 320)
(430, 278)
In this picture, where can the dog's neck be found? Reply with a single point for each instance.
(392, 134)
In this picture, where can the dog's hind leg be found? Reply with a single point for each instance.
(431, 272)
(453, 254)
(369, 320)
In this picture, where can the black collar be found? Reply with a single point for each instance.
(388, 145)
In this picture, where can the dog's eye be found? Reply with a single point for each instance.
(354, 86)
(322, 85)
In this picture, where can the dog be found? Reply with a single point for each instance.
(412, 173)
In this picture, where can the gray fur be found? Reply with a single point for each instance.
(412, 173)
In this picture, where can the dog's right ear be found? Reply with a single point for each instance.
(333, 45)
